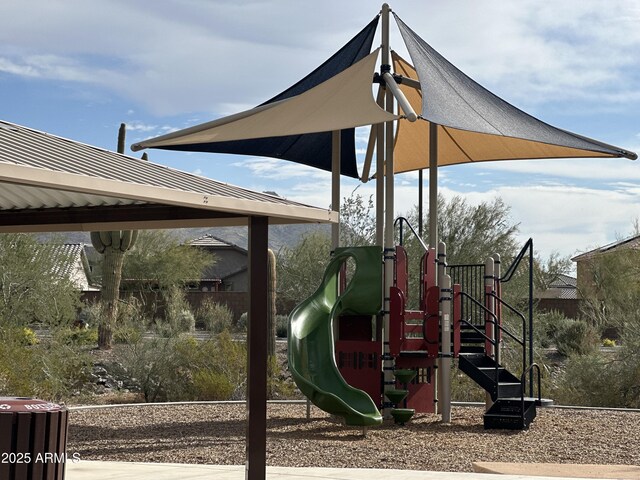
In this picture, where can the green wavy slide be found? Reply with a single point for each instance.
(311, 344)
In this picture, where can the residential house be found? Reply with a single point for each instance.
(229, 273)
(585, 280)
(75, 266)
(561, 295)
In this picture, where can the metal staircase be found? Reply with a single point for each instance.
(481, 332)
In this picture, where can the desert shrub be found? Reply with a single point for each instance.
(66, 370)
(76, 336)
(589, 380)
(178, 314)
(132, 321)
(546, 327)
(178, 367)
(28, 337)
(211, 385)
(241, 324)
(575, 337)
(51, 369)
(214, 316)
(282, 323)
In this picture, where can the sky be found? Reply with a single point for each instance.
(78, 68)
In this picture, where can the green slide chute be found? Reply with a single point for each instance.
(311, 344)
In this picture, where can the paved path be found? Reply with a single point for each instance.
(579, 470)
(89, 470)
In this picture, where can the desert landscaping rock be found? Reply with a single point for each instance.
(215, 434)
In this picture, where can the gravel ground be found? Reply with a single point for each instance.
(215, 434)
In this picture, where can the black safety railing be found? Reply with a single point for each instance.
(399, 223)
(526, 251)
(471, 278)
(523, 342)
(533, 366)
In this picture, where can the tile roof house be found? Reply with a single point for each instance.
(74, 264)
(229, 272)
(561, 295)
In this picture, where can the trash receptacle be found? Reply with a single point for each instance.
(33, 439)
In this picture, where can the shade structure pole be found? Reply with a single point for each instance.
(389, 248)
(420, 201)
(256, 468)
(433, 238)
(335, 206)
(371, 144)
(380, 178)
(433, 188)
(336, 137)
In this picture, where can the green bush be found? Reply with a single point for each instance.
(241, 324)
(52, 369)
(575, 337)
(29, 337)
(282, 324)
(76, 336)
(546, 327)
(214, 316)
(211, 385)
(180, 368)
(178, 313)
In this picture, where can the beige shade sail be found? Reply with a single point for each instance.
(344, 101)
(456, 146)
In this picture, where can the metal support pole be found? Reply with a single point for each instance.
(489, 304)
(420, 202)
(498, 307)
(444, 372)
(530, 317)
(389, 248)
(256, 435)
(380, 202)
(433, 186)
(335, 186)
(446, 297)
(433, 214)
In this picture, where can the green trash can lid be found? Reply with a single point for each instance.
(26, 404)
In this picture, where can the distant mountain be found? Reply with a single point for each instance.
(279, 235)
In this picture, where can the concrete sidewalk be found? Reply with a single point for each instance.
(90, 470)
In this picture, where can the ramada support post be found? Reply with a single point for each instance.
(256, 454)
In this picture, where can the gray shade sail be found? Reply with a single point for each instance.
(477, 125)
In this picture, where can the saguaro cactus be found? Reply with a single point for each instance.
(112, 245)
(271, 307)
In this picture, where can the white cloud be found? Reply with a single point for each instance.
(584, 169)
(211, 56)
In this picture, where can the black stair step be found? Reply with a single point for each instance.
(471, 336)
(508, 414)
(471, 349)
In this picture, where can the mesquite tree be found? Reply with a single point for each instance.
(112, 246)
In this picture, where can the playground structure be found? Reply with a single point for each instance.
(469, 311)
(348, 334)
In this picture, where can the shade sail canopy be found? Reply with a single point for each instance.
(48, 183)
(474, 124)
(296, 124)
(341, 102)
